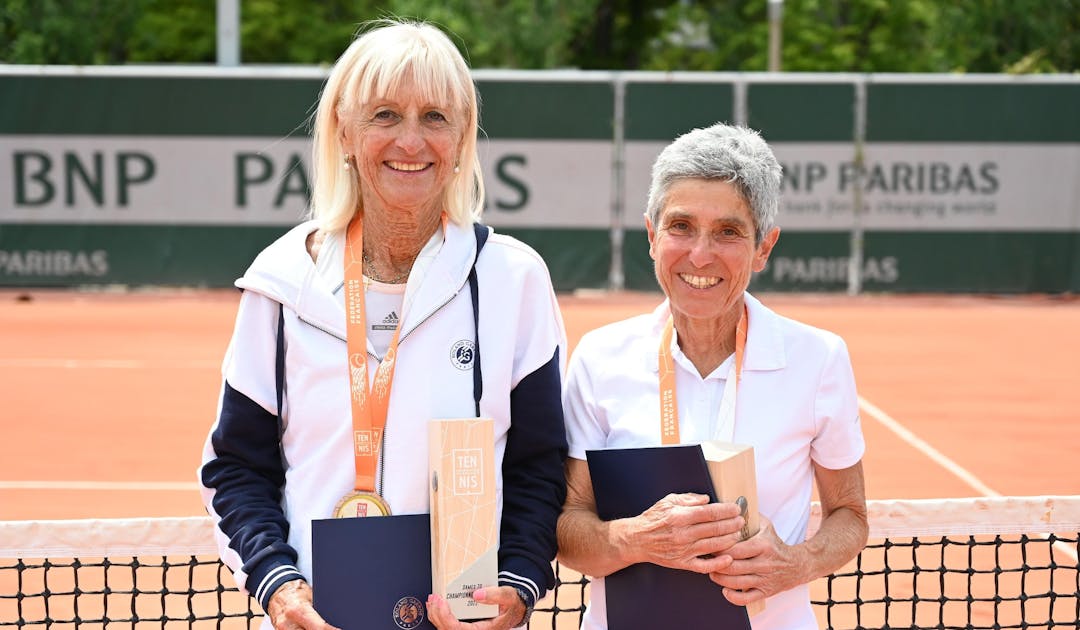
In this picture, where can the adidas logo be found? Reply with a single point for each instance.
(389, 322)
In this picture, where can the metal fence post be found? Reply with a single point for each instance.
(855, 263)
(616, 276)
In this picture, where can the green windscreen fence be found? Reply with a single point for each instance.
(179, 176)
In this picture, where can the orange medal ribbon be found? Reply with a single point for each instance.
(669, 406)
(369, 407)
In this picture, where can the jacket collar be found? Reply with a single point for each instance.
(444, 277)
(285, 272)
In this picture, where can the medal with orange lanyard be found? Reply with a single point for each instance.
(669, 406)
(369, 406)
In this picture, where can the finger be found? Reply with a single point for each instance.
(305, 617)
(747, 550)
(740, 552)
(721, 516)
(702, 543)
(735, 582)
(312, 620)
(699, 505)
(442, 617)
(713, 528)
(495, 623)
(499, 595)
(724, 510)
(742, 598)
(508, 601)
(687, 524)
(704, 556)
(686, 499)
(713, 565)
(439, 613)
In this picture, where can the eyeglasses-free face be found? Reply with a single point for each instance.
(704, 250)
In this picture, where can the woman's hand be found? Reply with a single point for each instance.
(290, 608)
(684, 531)
(763, 565)
(511, 610)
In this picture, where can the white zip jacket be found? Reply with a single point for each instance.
(265, 481)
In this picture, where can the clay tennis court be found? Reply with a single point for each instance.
(107, 397)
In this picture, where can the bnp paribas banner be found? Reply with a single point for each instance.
(954, 184)
(121, 176)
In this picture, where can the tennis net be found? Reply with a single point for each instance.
(1004, 562)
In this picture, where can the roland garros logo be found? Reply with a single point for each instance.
(462, 354)
(408, 613)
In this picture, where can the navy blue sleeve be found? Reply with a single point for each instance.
(246, 473)
(534, 481)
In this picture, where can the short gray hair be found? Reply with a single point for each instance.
(721, 152)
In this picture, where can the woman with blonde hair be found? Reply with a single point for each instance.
(379, 313)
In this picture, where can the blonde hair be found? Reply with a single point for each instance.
(388, 53)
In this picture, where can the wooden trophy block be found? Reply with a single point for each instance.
(734, 478)
(464, 515)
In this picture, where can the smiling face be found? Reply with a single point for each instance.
(404, 149)
(704, 250)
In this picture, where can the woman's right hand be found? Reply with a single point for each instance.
(291, 608)
(685, 531)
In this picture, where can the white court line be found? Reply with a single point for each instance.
(941, 459)
(151, 486)
(922, 446)
(121, 364)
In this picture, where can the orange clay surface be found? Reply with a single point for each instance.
(106, 398)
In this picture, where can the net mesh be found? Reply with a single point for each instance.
(1007, 562)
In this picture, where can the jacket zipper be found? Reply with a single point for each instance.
(318, 327)
(386, 429)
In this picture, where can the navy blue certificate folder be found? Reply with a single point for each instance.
(626, 482)
(372, 573)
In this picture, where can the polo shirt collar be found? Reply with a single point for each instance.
(764, 338)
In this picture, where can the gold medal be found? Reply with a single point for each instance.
(361, 504)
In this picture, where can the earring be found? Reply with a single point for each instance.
(347, 159)
(457, 169)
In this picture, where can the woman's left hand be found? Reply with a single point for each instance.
(511, 610)
(763, 566)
